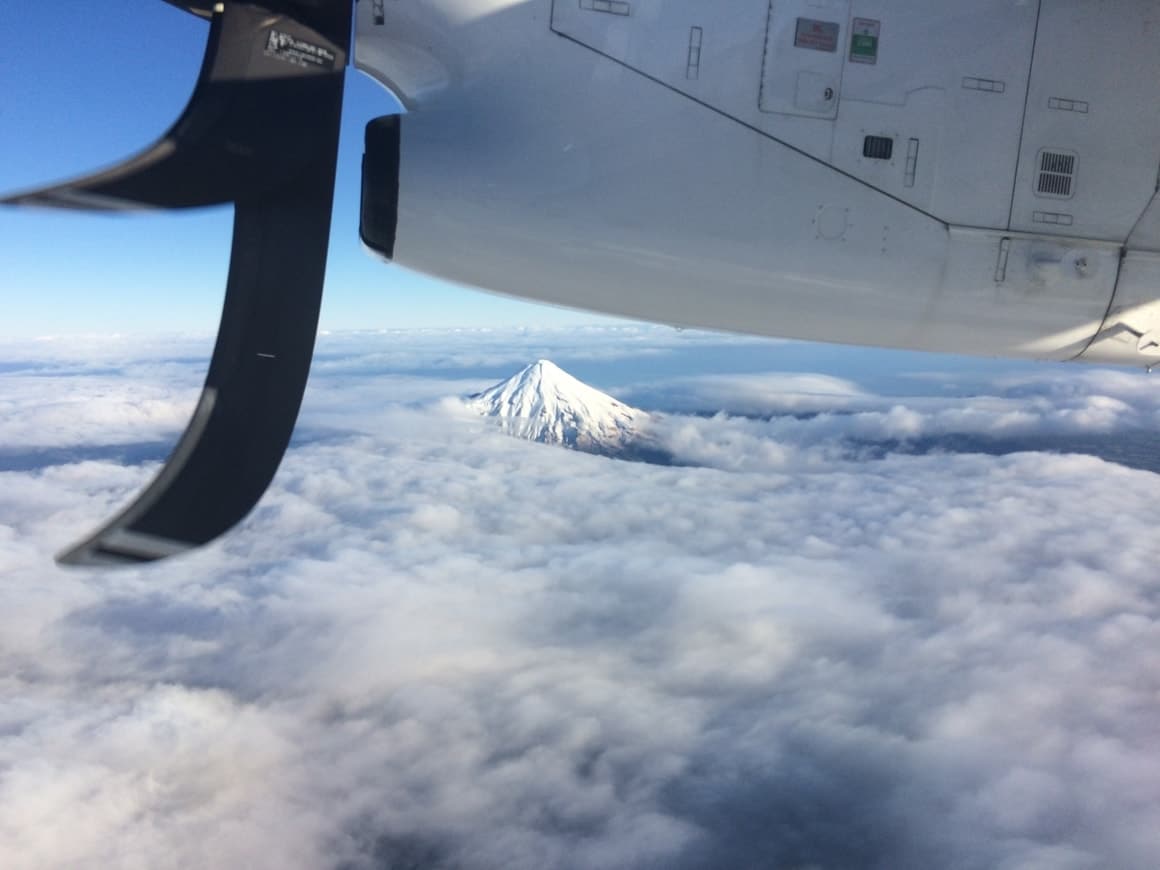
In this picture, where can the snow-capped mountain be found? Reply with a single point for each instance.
(544, 403)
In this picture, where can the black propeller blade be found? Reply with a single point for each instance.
(261, 131)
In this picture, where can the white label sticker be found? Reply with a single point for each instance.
(864, 40)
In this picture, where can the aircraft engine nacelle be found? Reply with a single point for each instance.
(904, 174)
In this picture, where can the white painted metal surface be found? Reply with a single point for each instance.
(1131, 332)
(641, 157)
(955, 82)
(954, 77)
(1093, 95)
(801, 70)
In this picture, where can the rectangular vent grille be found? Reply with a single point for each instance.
(878, 147)
(1056, 172)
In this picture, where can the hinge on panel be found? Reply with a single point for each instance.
(693, 60)
(911, 162)
(1001, 262)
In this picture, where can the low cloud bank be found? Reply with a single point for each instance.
(436, 646)
(760, 420)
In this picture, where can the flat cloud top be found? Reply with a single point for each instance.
(435, 646)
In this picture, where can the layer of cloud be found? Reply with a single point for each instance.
(817, 406)
(798, 418)
(435, 646)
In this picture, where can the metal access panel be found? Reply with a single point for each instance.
(1091, 132)
(948, 84)
(711, 52)
(805, 50)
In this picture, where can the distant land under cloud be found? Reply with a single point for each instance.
(848, 627)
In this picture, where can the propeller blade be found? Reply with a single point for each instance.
(261, 131)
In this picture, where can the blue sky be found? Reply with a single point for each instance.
(81, 90)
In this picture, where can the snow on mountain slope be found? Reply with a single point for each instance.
(544, 403)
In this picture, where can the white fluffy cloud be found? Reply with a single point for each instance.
(435, 646)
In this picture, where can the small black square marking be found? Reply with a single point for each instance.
(878, 147)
